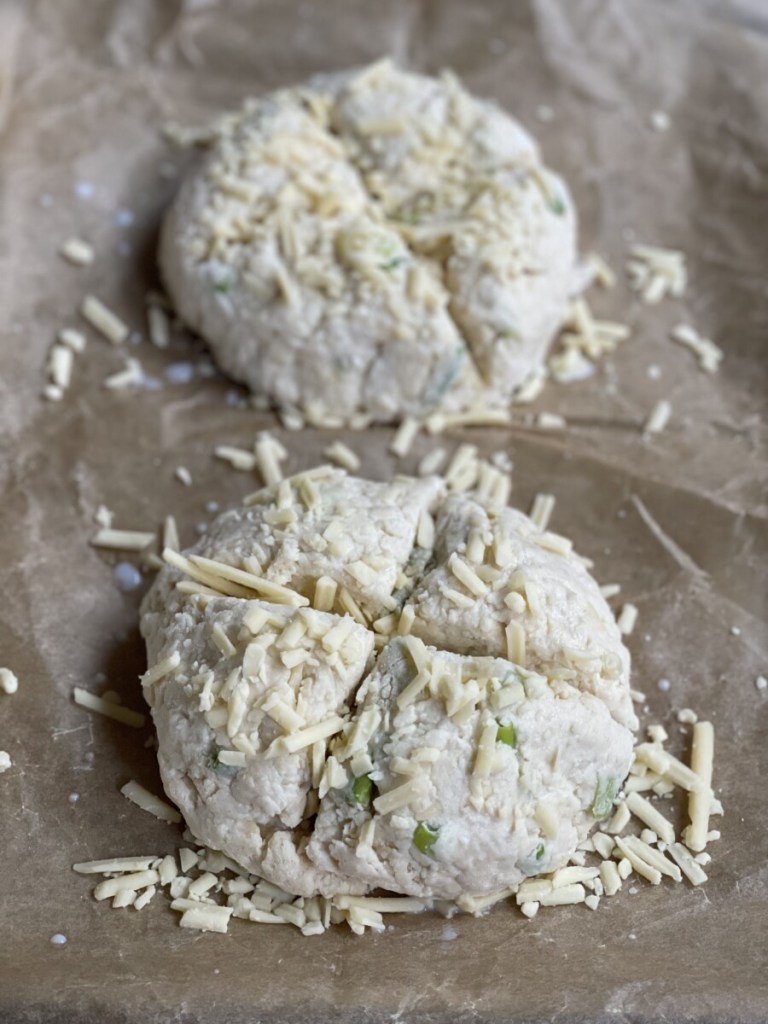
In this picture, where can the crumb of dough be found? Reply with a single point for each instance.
(9, 682)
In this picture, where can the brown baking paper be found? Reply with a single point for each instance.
(679, 521)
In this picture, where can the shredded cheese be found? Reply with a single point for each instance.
(467, 575)
(325, 593)
(656, 272)
(407, 619)
(532, 386)
(60, 366)
(238, 458)
(163, 668)
(658, 418)
(709, 355)
(343, 456)
(647, 813)
(604, 275)
(130, 375)
(542, 509)
(104, 320)
(486, 747)
(209, 568)
(269, 453)
(610, 877)
(432, 462)
(564, 896)
(206, 917)
(149, 802)
(123, 540)
(652, 874)
(187, 859)
(302, 738)
(515, 636)
(144, 897)
(425, 533)
(687, 864)
(73, 339)
(288, 719)
(669, 767)
(627, 619)
(78, 252)
(409, 694)
(222, 642)
(553, 542)
(137, 880)
(171, 534)
(572, 874)
(400, 796)
(348, 603)
(108, 708)
(113, 865)
(620, 819)
(699, 801)
(649, 856)
(551, 421)
(9, 682)
(159, 326)
(404, 437)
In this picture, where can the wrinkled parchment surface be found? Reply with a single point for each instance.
(679, 522)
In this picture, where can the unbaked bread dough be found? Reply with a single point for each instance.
(375, 242)
(329, 754)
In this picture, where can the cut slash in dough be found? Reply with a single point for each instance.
(329, 755)
(522, 813)
(374, 241)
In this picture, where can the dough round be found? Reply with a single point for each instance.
(301, 735)
(374, 242)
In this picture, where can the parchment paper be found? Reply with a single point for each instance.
(679, 522)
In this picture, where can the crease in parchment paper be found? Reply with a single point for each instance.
(683, 559)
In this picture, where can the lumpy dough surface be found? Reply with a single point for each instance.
(329, 754)
(375, 242)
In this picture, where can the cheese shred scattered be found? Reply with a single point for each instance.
(149, 802)
(104, 320)
(699, 802)
(404, 437)
(123, 540)
(542, 509)
(9, 682)
(658, 418)
(108, 708)
(343, 456)
(78, 252)
(627, 619)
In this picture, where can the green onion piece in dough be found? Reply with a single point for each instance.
(557, 205)
(605, 793)
(425, 836)
(507, 734)
(361, 790)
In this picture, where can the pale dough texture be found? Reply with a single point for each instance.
(331, 755)
(374, 242)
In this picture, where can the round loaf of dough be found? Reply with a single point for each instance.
(303, 735)
(374, 242)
